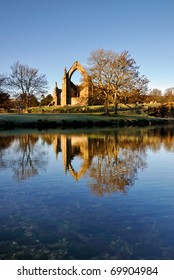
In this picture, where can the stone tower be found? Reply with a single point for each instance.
(57, 95)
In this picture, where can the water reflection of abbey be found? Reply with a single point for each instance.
(73, 146)
(107, 158)
(110, 160)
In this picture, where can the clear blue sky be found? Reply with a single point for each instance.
(52, 34)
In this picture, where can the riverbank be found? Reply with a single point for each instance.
(80, 120)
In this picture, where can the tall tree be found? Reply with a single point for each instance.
(98, 64)
(5, 101)
(116, 75)
(27, 81)
(2, 82)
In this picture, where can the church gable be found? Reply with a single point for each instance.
(74, 94)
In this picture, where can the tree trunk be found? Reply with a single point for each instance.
(116, 108)
(106, 106)
(26, 103)
(115, 104)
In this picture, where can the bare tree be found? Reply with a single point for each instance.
(27, 81)
(116, 75)
(98, 62)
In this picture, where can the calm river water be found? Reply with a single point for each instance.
(87, 195)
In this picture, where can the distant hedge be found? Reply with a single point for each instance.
(162, 111)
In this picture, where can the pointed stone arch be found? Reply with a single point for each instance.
(77, 67)
(78, 174)
(75, 94)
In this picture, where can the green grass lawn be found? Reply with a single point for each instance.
(77, 120)
(79, 117)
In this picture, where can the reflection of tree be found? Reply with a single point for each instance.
(5, 142)
(118, 157)
(165, 136)
(115, 168)
(30, 157)
(27, 157)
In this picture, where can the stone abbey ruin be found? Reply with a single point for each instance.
(72, 94)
